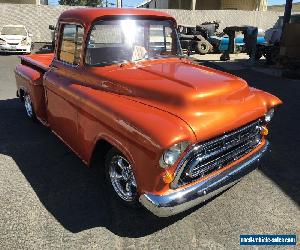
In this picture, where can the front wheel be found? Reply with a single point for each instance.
(120, 177)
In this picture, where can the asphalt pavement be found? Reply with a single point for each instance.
(50, 200)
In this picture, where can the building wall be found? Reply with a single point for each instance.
(260, 19)
(159, 4)
(242, 5)
(20, 1)
(37, 18)
(209, 4)
(180, 4)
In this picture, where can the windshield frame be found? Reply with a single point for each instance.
(143, 18)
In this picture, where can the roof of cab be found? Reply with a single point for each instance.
(89, 15)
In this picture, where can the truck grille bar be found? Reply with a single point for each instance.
(217, 153)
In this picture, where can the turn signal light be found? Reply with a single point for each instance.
(168, 177)
(264, 130)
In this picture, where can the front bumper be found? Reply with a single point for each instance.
(15, 48)
(179, 201)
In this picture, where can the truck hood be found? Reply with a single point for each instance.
(211, 102)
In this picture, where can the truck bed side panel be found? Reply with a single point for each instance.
(41, 62)
(30, 81)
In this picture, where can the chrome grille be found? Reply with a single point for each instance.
(217, 153)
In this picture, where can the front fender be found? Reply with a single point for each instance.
(139, 131)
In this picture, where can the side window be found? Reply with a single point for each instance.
(71, 44)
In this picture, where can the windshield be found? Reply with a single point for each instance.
(13, 31)
(118, 41)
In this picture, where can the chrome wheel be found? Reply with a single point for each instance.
(122, 178)
(28, 106)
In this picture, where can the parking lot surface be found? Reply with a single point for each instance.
(50, 200)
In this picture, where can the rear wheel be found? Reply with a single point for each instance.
(28, 106)
(203, 47)
(120, 177)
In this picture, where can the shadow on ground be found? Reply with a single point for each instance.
(71, 192)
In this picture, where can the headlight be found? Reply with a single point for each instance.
(171, 155)
(269, 115)
(2, 42)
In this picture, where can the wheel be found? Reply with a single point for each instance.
(120, 177)
(28, 106)
(203, 47)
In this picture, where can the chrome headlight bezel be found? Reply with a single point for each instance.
(172, 154)
(269, 115)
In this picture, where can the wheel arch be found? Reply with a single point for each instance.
(102, 145)
(21, 91)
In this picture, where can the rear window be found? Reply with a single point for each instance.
(71, 44)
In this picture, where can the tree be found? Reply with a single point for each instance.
(93, 3)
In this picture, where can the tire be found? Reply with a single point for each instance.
(29, 106)
(120, 178)
(203, 47)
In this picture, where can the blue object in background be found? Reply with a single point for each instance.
(52, 2)
(239, 41)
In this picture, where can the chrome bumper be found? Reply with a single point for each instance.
(179, 201)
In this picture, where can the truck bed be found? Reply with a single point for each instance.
(41, 61)
(29, 79)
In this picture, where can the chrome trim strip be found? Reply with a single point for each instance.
(195, 148)
(179, 201)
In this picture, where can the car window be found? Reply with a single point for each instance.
(71, 44)
(13, 30)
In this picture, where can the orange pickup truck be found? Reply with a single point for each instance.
(171, 133)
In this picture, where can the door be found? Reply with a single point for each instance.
(62, 85)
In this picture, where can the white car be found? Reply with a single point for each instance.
(15, 39)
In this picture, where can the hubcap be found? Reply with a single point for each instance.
(28, 105)
(122, 178)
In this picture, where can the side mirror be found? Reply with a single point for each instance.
(51, 27)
